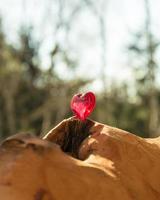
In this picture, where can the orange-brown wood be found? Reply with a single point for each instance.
(107, 163)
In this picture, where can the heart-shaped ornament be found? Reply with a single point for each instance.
(82, 105)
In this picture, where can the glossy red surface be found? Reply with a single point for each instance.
(82, 105)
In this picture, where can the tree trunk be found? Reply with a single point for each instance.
(153, 101)
(10, 112)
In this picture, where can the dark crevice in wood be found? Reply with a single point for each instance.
(76, 132)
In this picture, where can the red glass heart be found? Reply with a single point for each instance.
(82, 105)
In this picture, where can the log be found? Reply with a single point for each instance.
(80, 160)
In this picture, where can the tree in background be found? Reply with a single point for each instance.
(144, 48)
(9, 83)
(32, 99)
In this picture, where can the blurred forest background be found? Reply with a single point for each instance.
(35, 95)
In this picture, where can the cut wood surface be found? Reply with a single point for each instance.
(80, 160)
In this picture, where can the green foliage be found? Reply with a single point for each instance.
(31, 99)
(34, 100)
(144, 48)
